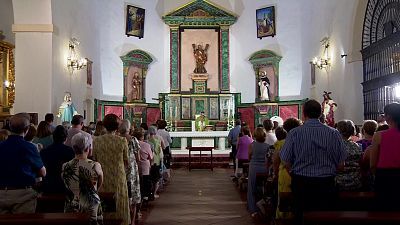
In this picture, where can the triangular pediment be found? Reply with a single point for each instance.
(200, 12)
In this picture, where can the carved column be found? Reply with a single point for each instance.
(224, 35)
(174, 63)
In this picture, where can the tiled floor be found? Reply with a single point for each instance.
(199, 197)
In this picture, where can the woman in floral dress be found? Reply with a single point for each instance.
(349, 179)
(111, 151)
(83, 178)
(132, 172)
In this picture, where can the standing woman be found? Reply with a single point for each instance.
(111, 151)
(257, 151)
(385, 159)
(132, 172)
(82, 178)
(44, 136)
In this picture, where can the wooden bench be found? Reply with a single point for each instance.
(54, 203)
(45, 219)
(351, 218)
(348, 201)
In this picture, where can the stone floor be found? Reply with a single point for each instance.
(199, 197)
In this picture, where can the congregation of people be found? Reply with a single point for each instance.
(314, 162)
(81, 161)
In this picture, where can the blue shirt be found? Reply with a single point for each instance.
(19, 162)
(233, 134)
(314, 150)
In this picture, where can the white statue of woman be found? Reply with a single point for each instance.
(67, 109)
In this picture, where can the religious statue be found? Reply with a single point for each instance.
(135, 84)
(200, 56)
(264, 85)
(201, 122)
(328, 109)
(67, 109)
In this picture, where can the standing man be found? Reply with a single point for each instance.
(312, 154)
(232, 140)
(77, 124)
(20, 164)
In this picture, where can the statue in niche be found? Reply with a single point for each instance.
(136, 85)
(328, 109)
(200, 56)
(67, 109)
(264, 85)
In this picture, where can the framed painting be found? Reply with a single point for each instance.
(214, 109)
(265, 19)
(135, 21)
(186, 109)
(89, 72)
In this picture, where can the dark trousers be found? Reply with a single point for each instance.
(312, 193)
(387, 186)
(145, 186)
(167, 157)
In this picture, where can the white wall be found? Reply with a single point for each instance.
(114, 43)
(33, 54)
(76, 19)
(333, 19)
(6, 20)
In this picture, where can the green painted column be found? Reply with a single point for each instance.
(174, 63)
(224, 59)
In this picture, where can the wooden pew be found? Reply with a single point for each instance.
(351, 218)
(348, 201)
(55, 203)
(45, 219)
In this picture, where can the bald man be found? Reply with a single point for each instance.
(20, 164)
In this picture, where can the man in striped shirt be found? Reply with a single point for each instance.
(312, 154)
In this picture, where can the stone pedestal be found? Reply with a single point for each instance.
(199, 82)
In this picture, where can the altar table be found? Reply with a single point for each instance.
(201, 138)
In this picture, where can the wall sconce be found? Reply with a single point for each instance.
(74, 62)
(324, 61)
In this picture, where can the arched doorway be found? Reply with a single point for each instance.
(381, 56)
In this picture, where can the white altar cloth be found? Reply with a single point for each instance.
(201, 138)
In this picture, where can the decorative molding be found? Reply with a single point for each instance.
(40, 28)
(200, 13)
(138, 58)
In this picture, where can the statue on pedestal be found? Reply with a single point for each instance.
(67, 109)
(264, 85)
(136, 86)
(328, 109)
(201, 122)
(200, 56)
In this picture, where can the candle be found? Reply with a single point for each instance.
(176, 112)
(141, 120)
(170, 113)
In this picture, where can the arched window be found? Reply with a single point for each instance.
(381, 55)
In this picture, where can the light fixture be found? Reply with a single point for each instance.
(9, 85)
(74, 62)
(323, 61)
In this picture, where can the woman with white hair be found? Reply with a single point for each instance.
(132, 171)
(83, 178)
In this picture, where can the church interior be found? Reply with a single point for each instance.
(200, 66)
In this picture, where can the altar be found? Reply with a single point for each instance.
(201, 139)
